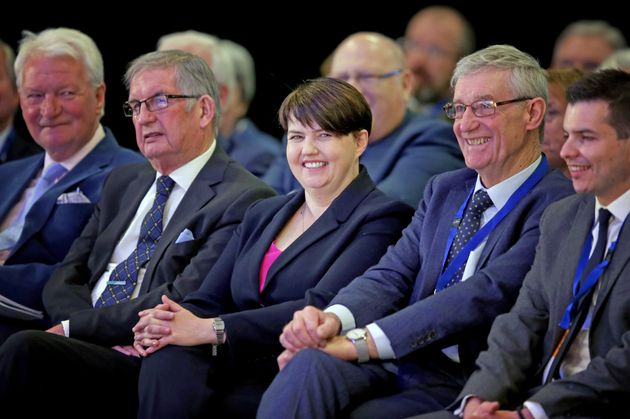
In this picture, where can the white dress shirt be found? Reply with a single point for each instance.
(183, 177)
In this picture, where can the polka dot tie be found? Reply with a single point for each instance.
(124, 278)
(467, 228)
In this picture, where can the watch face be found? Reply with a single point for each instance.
(356, 334)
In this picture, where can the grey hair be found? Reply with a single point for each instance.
(193, 76)
(244, 68)
(613, 36)
(61, 42)
(527, 77)
(221, 63)
(619, 59)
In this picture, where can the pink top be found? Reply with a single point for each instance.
(268, 260)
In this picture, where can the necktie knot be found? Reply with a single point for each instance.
(603, 219)
(164, 185)
(480, 203)
(53, 173)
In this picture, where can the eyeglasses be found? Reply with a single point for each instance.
(153, 103)
(432, 51)
(480, 108)
(365, 79)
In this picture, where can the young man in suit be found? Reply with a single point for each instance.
(62, 95)
(423, 312)
(158, 230)
(563, 349)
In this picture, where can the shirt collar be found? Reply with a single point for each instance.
(186, 174)
(501, 192)
(619, 208)
(73, 160)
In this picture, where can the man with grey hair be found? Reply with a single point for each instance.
(158, 230)
(12, 145)
(48, 198)
(586, 44)
(255, 154)
(244, 140)
(402, 338)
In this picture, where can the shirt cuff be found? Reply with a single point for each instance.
(66, 327)
(382, 343)
(345, 316)
(459, 412)
(536, 410)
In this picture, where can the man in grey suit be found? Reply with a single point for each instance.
(564, 348)
(424, 311)
(157, 230)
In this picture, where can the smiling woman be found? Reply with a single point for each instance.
(290, 251)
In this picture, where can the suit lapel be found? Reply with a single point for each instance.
(580, 229)
(199, 194)
(618, 263)
(337, 213)
(132, 196)
(18, 182)
(90, 165)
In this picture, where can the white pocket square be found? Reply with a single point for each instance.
(185, 236)
(76, 197)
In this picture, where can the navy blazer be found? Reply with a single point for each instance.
(521, 342)
(350, 236)
(251, 147)
(400, 164)
(51, 227)
(211, 209)
(461, 314)
(15, 147)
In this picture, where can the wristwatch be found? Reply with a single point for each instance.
(219, 330)
(358, 337)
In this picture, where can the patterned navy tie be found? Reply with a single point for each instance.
(467, 228)
(124, 278)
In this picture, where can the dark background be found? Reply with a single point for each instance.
(288, 44)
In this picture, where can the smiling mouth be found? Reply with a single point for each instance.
(314, 164)
(477, 141)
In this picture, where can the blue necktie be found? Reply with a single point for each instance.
(581, 311)
(10, 236)
(468, 227)
(124, 278)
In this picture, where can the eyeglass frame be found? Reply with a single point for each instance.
(129, 110)
(495, 105)
(361, 78)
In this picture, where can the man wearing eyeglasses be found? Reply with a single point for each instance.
(158, 230)
(417, 320)
(404, 149)
(47, 199)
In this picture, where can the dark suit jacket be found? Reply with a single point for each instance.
(461, 314)
(400, 164)
(50, 228)
(251, 147)
(16, 147)
(521, 342)
(350, 236)
(211, 209)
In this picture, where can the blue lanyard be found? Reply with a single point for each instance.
(483, 232)
(590, 280)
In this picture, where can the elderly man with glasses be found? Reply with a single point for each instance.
(158, 229)
(404, 149)
(402, 338)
